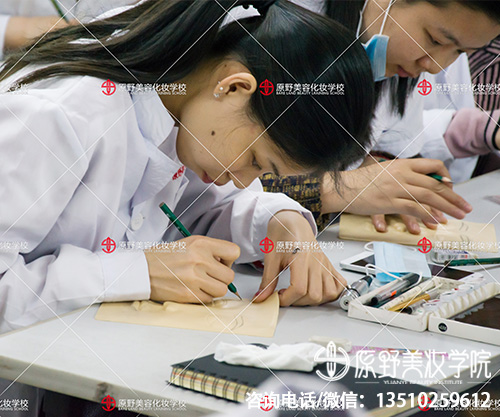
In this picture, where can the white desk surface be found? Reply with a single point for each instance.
(91, 358)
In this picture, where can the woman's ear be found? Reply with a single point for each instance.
(242, 84)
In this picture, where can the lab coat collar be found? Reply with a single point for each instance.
(157, 127)
(156, 122)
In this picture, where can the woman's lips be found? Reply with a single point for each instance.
(206, 179)
(402, 73)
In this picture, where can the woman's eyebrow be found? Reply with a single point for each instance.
(455, 41)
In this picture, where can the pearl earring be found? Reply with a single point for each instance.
(217, 95)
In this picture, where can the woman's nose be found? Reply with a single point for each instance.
(437, 62)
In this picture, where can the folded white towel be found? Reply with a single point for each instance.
(296, 357)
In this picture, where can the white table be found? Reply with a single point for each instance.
(82, 357)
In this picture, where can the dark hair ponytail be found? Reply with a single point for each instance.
(162, 41)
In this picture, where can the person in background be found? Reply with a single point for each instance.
(485, 72)
(406, 125)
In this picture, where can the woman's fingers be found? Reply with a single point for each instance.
(270, 276)
(435, 188)
(429, 166)
(417, 197)
(322, 283)
(299, 281)
(379, 222)
(411, 224)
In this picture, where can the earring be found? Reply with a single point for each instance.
(217, 95)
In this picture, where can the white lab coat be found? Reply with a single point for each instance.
(421, 129)
(83, 10)
(440, 109)
(78, 167)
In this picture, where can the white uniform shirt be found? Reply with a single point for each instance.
(421, 130)
(440, 109)
(79, 167)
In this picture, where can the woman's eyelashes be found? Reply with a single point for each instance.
(433, 40)
(256, 164)
(437, 43)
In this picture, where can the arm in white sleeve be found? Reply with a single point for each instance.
(38, 278)
(436, 123)
(4, 21)
(239, 216)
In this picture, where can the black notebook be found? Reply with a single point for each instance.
(233, 382)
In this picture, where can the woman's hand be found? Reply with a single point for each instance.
(403, 188)
(313, 279)
(410, 222)
(22, 30)
(197, 275)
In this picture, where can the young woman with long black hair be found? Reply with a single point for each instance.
(84, 163)
(422, 36)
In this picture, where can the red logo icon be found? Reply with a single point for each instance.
(109, 245)
(424, 402)
(109, 402)
(425, 244)
(424, 87)
(179, 172)
(266, 404)
(108, 88)
(266, 88)
(268, 245)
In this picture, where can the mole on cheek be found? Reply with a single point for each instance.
(213, 132)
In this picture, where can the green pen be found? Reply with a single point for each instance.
(473, 261)
(440, 178)
(58, 8)
(185, 232)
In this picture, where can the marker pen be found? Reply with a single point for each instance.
(394, 289)
(355, 290)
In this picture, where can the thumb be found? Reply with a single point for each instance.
(270, 278)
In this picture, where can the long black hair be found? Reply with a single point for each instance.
(347, 12)
(162, 41)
